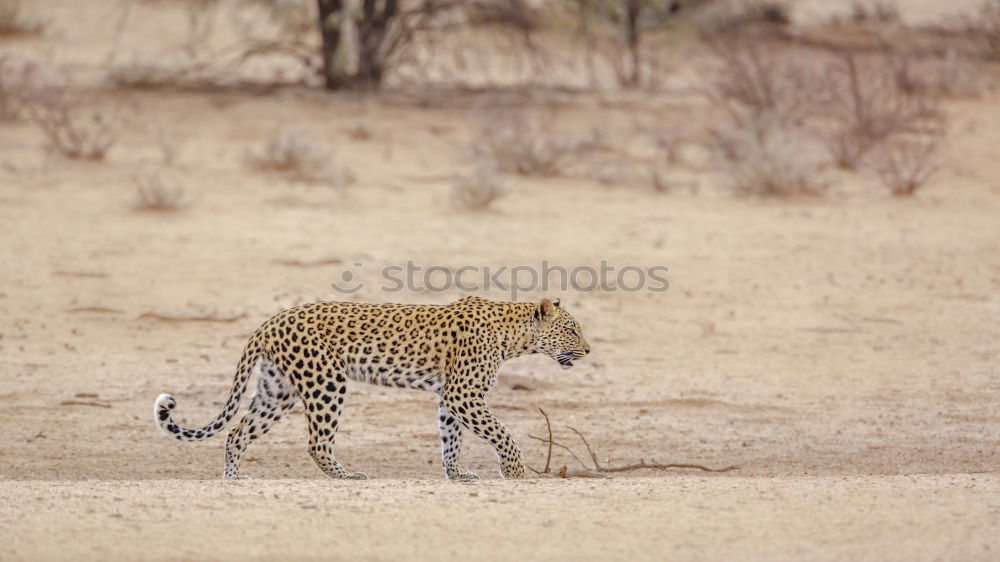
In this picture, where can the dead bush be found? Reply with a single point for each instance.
(361, 131)
(523, 144)
(14, 21)
(297, 156)
(765, 156)
(480, 189)
(16, 82)
(72, 123)
(880, 12)
(769, 96)
(776, 12)
(152, 194)
(988, 24)
(733, 17)
(949, 75)
(750, 78)
(868, 106)
(905, 164)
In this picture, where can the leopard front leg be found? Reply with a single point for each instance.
(477, 417)
(451, 444)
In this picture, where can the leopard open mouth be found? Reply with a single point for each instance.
(565, 360)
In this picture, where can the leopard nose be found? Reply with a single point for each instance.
(586, 349)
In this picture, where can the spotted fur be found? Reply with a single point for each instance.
(454, 351)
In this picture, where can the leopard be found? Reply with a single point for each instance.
(309, 352)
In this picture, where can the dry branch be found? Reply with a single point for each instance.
(61, 273)
(548, 424)
(599, 471)
(96, 309)
(207, 318)
(84, 403)
(308, 263)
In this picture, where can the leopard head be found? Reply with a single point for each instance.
(558, 334)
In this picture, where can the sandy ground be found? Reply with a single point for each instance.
(677, 518)
(841, 351)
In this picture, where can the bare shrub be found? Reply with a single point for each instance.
(14, 21)
(361, 131)
(768, 96)
(146, 76)
(626, 49)
(289, 151)
(767, 157)
(767, 11)
(875, 11)
(480, 189)
(988, 24)
(950, 75)
(730, 17)
(671, 145)
(661, 182)
(16, 82)
(868, 106)
(523, 144)
(72, 124)
(168, 147)
(749, 78)
(299, 157)
(905, 164)
(152, 194)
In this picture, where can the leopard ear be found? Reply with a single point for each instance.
(555, 303)
(545, 311)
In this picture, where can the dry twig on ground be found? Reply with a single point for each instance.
(204, 318)
(598, 470)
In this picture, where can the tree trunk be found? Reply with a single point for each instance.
(372, 31)
(331, 13)
(632, 8)
(370, 63)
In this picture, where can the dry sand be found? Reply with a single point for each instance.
(951, 517)
(842, 351)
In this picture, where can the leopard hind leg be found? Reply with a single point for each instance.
(274, 397)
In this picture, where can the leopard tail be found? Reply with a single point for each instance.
(165, 402)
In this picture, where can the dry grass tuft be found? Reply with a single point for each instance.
(524, 145)
(480, 189)
(289, 151)
(297, 156)
(154, 195)
(906, 164)
(767, 157)
(361, 132)
(14, 21)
